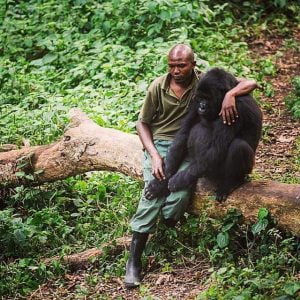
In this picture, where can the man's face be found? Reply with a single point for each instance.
(180, 67)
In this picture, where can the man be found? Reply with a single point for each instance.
(166, 103)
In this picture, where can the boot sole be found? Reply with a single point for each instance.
(132, 285)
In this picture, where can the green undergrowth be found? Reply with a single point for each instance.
(293, 99)
(100, 56)
(60, 219)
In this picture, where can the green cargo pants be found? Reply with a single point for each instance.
(172, 206)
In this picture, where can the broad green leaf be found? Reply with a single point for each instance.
(19, 236)
(29, 177)
(262, 213)
(151, 6)
(37, 62)
(20, 174)
(164, 15)
(284, 297)
(259, 226)
(39, 172)
(223, 239)
(222, 271)
(292, 288)
(49, 58)
(227, 227)
(28, 42)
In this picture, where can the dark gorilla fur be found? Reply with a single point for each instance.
(224, 154)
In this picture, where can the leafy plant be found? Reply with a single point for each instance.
(293, 99)
(100, 56)
(262, 222)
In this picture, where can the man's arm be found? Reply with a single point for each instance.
(146, 138)
(229, 111)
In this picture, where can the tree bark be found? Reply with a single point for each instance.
(85, 146)
(79, 260)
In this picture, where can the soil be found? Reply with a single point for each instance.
(276, 154)
(275, 159)
(183, 282)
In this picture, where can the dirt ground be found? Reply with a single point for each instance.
(183, 282)
(275, 158)
(276, 153)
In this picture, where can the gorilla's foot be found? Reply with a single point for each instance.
(223, 193)
(157, 189)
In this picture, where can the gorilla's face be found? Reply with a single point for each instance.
(208, 107)
(203, 107)
(211, 91)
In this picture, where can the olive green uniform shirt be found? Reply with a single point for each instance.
(163, 110)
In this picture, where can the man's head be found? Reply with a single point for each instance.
(181, 63)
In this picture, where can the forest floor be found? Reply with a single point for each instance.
(277, 150)
(275, 159)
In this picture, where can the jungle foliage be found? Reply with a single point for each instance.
(293, 99)
(100, 56)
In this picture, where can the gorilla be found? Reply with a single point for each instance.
(223, 154)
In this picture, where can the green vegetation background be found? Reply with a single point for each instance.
(100, 56)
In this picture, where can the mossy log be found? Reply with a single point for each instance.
(85, 146)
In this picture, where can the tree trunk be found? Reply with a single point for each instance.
(85, 146)
(79, 260)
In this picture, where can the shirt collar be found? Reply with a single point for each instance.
(166, 82)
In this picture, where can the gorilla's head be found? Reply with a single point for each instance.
(211, 91)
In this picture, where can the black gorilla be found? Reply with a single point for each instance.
(223, 154)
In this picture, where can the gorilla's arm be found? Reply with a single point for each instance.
(175, 156)
(178, 149)
(211, 157)
(208, 159)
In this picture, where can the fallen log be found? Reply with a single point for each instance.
(81, 259)
(85, 146)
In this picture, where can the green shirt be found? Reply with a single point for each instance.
(163, 110)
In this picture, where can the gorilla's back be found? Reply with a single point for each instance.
(251, 117)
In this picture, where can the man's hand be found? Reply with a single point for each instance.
(229, 112)
(158, 167)
(145, 136)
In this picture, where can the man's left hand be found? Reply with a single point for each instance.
(229, 112)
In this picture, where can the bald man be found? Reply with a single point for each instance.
(165, 105)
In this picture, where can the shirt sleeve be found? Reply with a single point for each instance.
(149, 108)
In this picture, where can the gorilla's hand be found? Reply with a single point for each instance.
(156, 189)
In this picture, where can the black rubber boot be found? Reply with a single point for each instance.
(134, 263)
